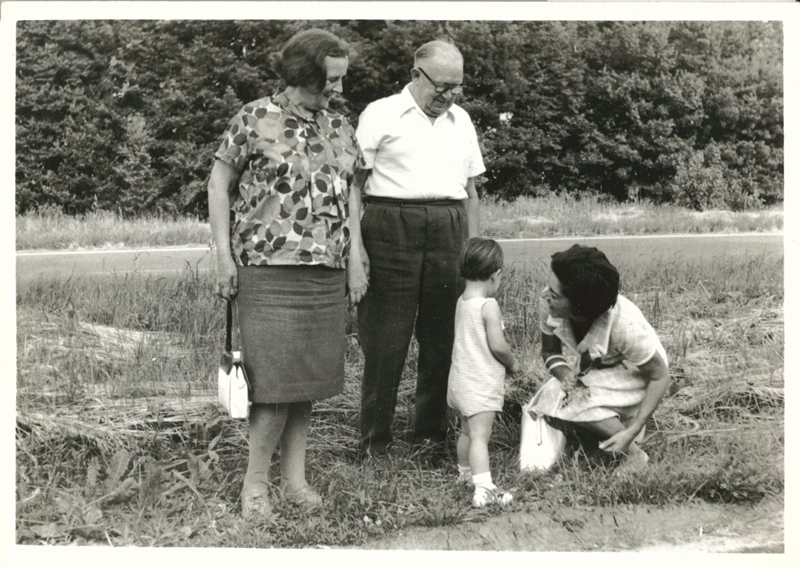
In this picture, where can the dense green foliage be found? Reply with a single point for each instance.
(126, 115)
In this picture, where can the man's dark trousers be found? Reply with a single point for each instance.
(414, 249)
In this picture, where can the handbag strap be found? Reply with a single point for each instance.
(228, 327)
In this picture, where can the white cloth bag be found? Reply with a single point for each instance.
(541, 445)
(232, 385)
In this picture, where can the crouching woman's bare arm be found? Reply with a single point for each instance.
(656, 373)
(556, 363)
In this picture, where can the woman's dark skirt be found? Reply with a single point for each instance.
(292, 325)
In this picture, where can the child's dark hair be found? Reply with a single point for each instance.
(480, 259)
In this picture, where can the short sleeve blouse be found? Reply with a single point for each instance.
(621, 334)
(294, 177)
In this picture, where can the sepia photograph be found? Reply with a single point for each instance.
(381, 278)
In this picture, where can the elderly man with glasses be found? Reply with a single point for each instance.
(422, 156)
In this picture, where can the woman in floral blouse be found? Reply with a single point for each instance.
(280, 197)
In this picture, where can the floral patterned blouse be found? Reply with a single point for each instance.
(291, 205)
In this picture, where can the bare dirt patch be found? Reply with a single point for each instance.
(698, 527)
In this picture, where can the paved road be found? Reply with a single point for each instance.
(62, 264)
(664, 246)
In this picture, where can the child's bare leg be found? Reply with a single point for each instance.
(462, 446)
(462, 452)
(480, 430)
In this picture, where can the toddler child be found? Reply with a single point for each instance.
(480, 359)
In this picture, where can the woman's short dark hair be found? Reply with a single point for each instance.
(480, 259)
(301, 62)
(589, 281)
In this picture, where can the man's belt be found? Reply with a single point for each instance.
(412, 202)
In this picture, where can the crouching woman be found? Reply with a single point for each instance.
(609, 367)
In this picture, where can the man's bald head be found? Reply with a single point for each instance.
(441, 51)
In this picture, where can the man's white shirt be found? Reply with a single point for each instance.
(412, 158)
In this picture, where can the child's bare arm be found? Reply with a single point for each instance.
(494, 334)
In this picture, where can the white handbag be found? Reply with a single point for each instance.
(233, 388)
(541, 445)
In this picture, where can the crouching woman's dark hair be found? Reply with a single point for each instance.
(480, 259)
(589, 281)
(301, 62)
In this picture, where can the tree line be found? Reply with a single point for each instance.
(126, 115)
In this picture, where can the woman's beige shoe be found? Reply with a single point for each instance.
(304, 497)
(635, 462)
(255, 503)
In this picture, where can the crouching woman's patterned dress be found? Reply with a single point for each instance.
(606, 363)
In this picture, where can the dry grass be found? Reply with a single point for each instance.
(564, 215)
(522, 218)
(51, 229)
(119, 440)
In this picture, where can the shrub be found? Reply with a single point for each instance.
(699, 185)
(126, 115)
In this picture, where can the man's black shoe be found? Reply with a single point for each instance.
(373, 450)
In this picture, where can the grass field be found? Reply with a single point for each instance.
(119, 441)
(525, 217)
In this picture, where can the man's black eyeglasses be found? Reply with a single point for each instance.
(441, 89)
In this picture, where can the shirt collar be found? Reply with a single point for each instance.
(596, 339)
(407, 103)
(289, 107)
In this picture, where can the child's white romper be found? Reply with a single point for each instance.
(477, 380)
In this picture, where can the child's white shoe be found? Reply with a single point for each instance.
(483, 497)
